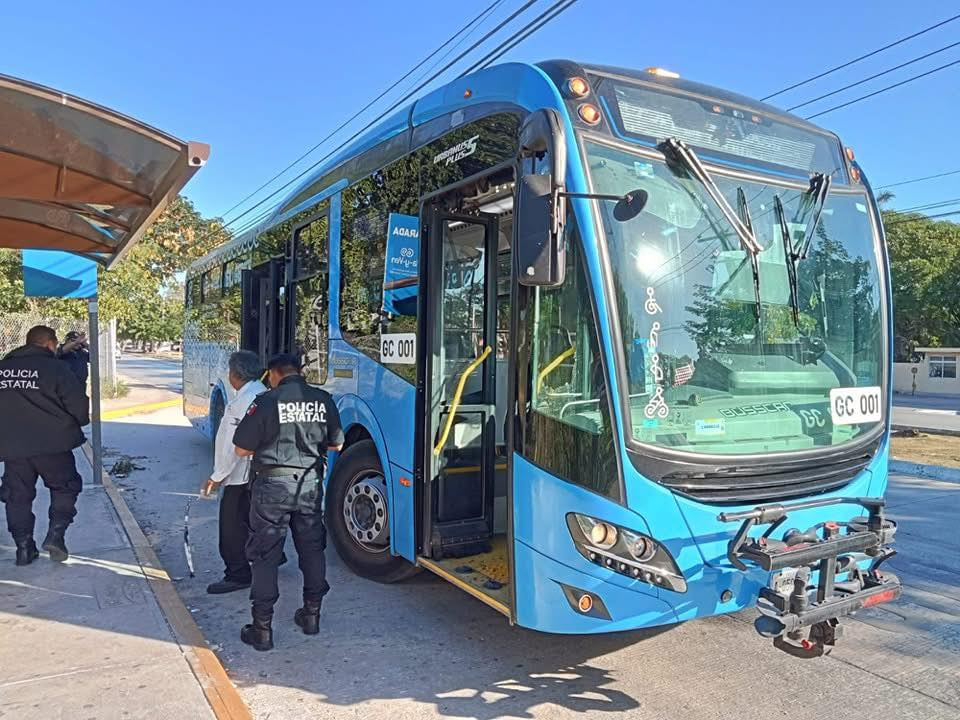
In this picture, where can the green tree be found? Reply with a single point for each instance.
(925, 271)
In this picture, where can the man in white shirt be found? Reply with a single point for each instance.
(232, 472)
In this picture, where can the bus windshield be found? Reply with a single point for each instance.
(708, 371)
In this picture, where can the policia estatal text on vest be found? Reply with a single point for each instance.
(42, 408)
(288, 431)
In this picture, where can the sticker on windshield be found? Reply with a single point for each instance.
(851, 406)
(710, 426)
(862, 208)
(643, 169)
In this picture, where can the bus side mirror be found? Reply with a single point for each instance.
(538, 244)
(540, 208)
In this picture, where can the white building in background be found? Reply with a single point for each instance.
(936, 373)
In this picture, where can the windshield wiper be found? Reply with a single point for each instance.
(818, 192)
(678, 152)
(791, 256)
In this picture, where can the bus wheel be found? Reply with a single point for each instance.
(356, 516)
(216, 416)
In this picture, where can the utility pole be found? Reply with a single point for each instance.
(96, 440)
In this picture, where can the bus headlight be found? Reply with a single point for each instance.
(602, 535)
(625, 551)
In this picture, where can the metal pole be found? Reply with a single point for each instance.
(96, 440)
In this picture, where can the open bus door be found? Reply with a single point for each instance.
(463, 397)
(262, 319)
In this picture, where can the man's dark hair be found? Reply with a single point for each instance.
(284, 363)
(41, 335)
(245, 365)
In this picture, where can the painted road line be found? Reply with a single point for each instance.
(223, 697)
(139, 409)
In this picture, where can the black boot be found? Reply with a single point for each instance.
(259, 634)
(53, 543)
(308, 617)
(26, 551)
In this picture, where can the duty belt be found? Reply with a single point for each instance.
(280, 470)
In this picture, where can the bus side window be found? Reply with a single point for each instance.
(568, 428)
(386, 201)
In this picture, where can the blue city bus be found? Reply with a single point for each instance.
(611, 350)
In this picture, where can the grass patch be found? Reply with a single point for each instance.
(113, 391)
(919, 447)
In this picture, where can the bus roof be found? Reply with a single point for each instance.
(437, 102)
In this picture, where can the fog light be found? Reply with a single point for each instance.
(585, 603)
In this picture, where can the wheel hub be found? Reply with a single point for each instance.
(365, 512)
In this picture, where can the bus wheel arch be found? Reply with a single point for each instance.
(357, 515)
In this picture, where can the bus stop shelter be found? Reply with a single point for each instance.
(81, 178)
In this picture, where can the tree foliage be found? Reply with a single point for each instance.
(925, 271)
(144, 292)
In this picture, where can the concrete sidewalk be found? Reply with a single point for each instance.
(88, 638)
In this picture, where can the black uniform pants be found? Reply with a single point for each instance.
(19, 489)
(235, 531)
(278, 503)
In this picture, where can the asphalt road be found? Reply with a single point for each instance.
(932, 412)
(148, 372)
(424, 649)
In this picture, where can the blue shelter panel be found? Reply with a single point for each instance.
(53, 273)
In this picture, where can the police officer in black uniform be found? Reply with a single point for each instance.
(288, 431)
(42, 408)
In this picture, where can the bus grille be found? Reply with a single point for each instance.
(772, 482)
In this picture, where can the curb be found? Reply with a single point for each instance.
(220, 692)
(929, 431)
(935, 472)
(139, 409)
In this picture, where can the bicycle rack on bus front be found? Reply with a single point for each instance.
(790, 603)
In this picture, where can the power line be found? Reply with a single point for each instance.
(267, 212)
(927, 206)
(514, 40)
(900, 221)
(862, 57)
(393, 107)
(490, 8)
(919, 179)
(874, 77)
(882, 90)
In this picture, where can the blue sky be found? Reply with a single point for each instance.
(264, 81)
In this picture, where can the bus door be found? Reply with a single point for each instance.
(261, 309)
(460, 383)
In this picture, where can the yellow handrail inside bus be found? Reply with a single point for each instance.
(452, 410)
(554, 364)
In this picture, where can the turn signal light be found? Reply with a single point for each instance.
(577, 87)
(661, 72)
(589, 114)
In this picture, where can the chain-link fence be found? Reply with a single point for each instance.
(14, 327)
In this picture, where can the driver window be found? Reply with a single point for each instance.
(310, 301)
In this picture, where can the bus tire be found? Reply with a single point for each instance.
(356, 516)
(217, 410)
